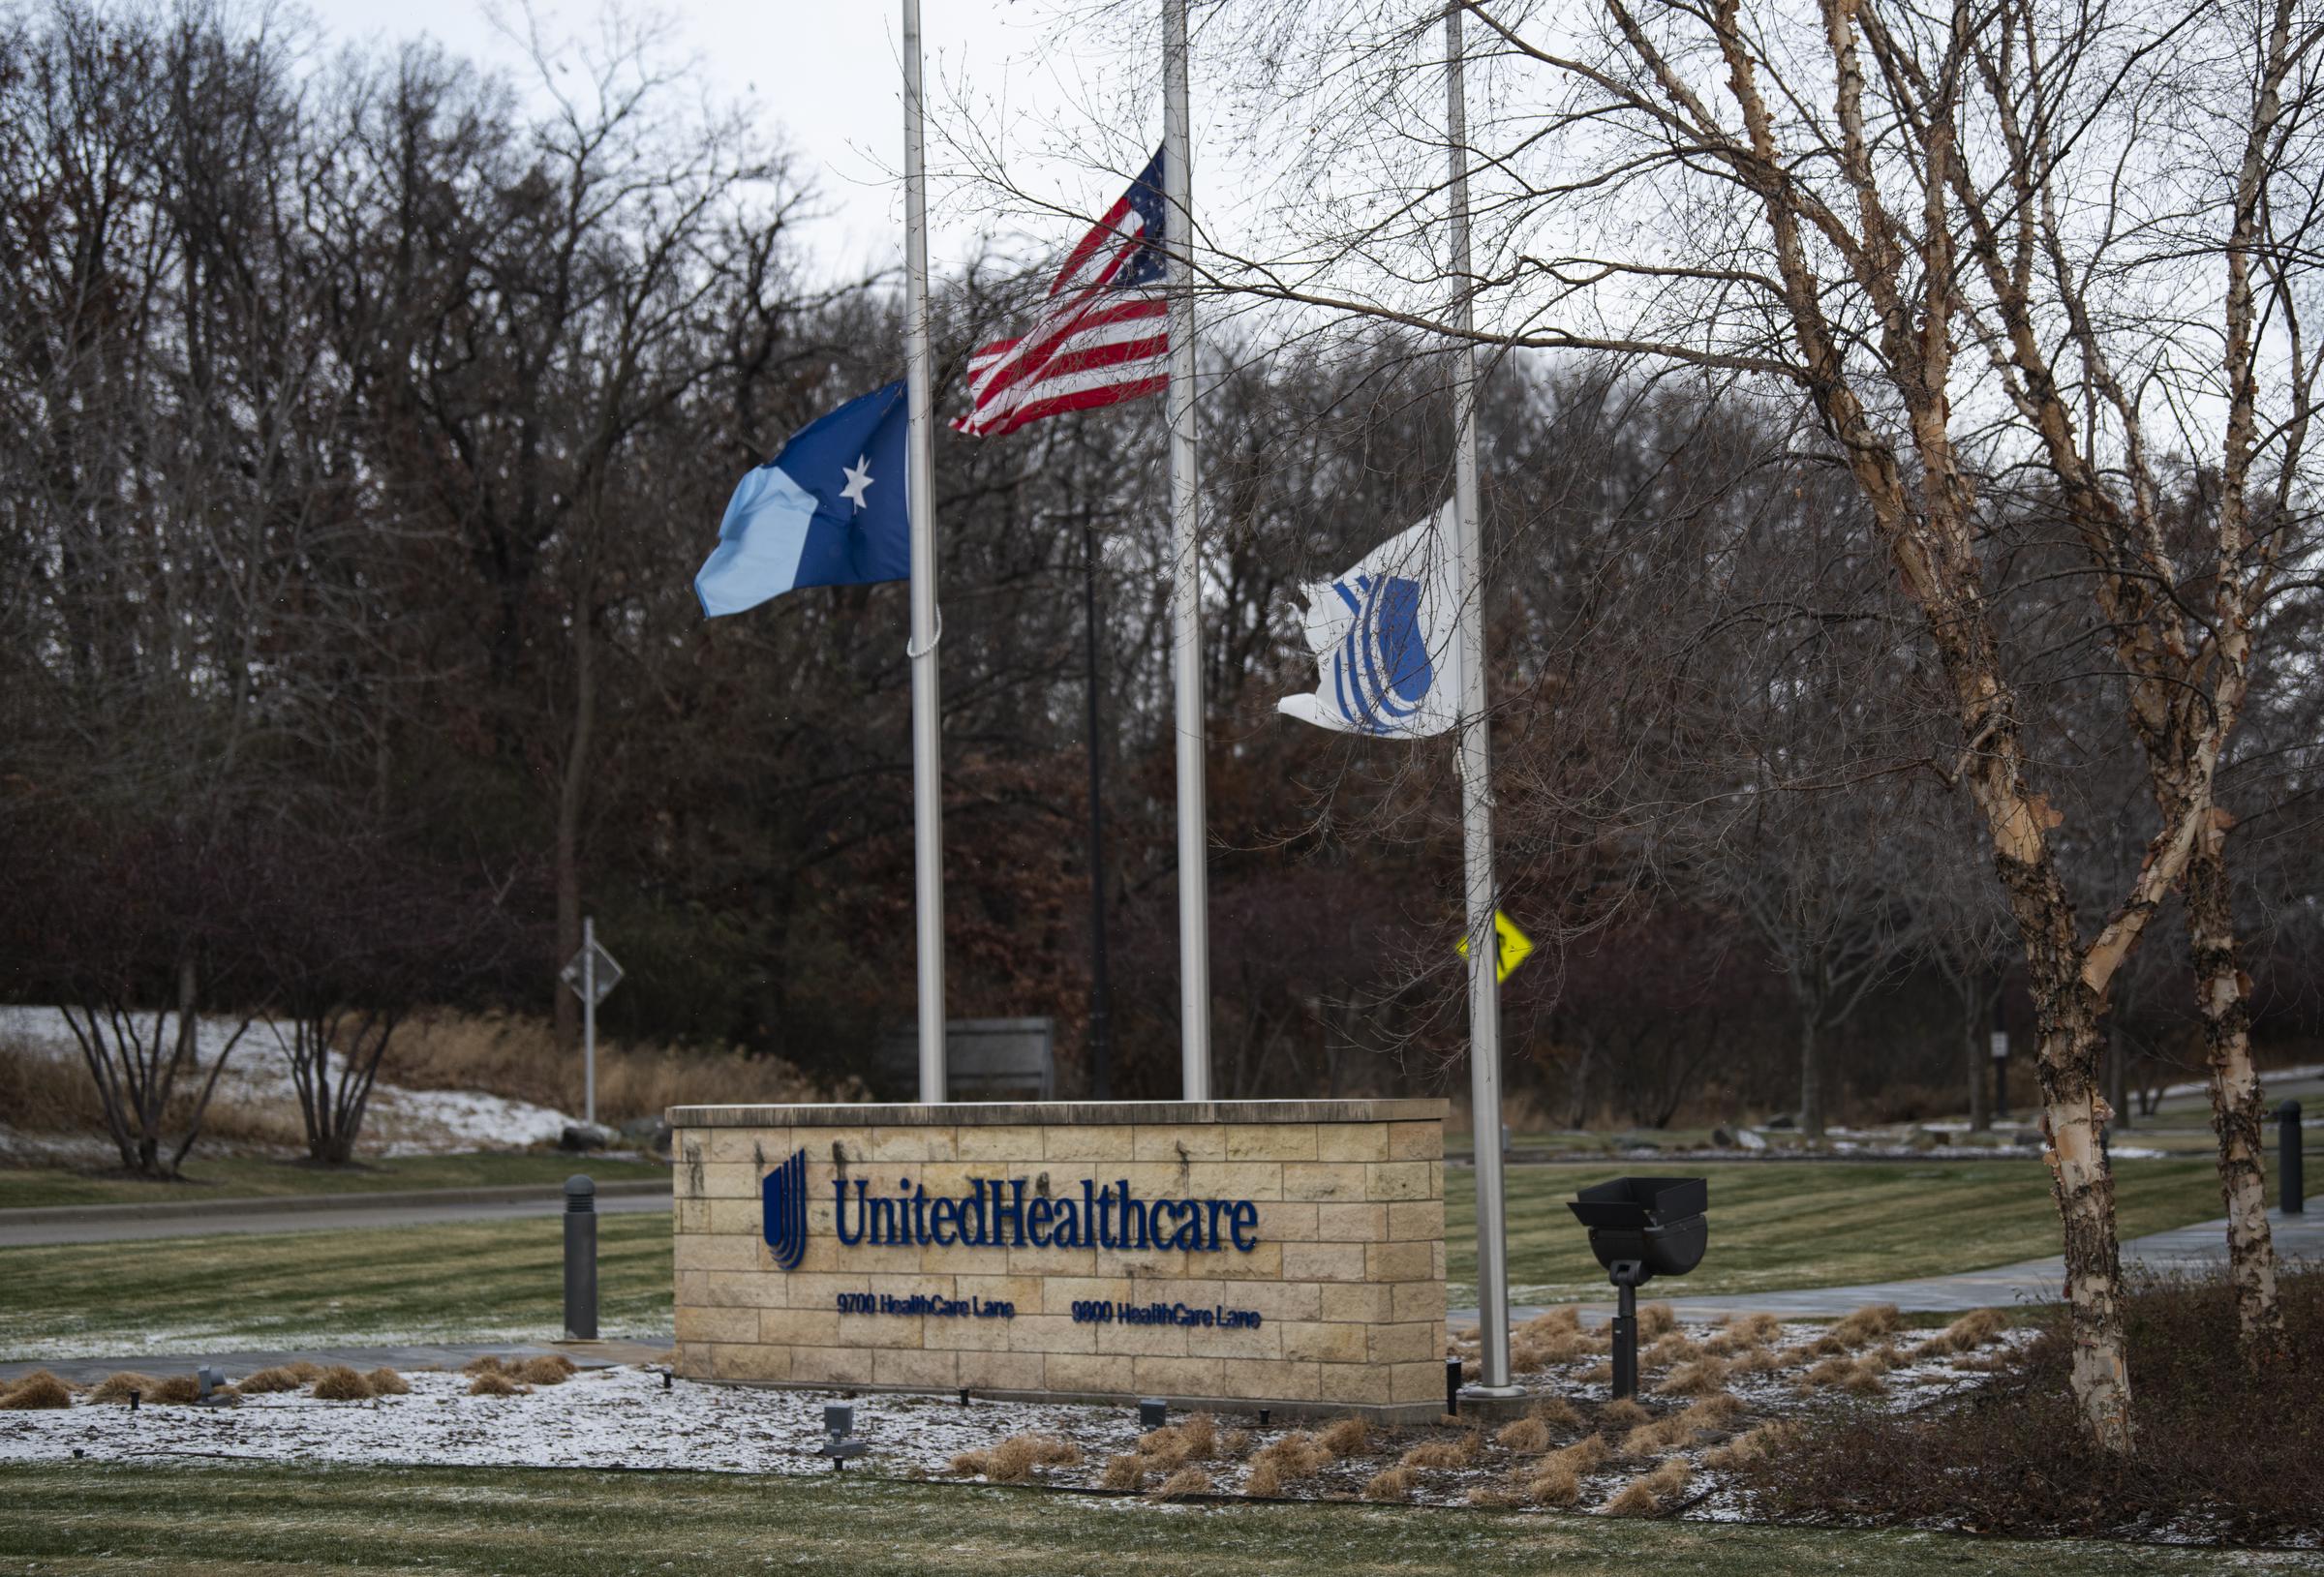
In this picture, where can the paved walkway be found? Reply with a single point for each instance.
(585, 1355)
(2035, 1281)
(310, 1213)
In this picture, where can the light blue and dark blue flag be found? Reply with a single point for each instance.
(829, 511)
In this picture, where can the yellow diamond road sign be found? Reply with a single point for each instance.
(1513, 945)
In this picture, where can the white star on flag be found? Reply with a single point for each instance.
(859, 478)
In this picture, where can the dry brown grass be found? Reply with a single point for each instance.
(55, 1095)
(284, 1377)
(1623, 1413)
(1671, 1349)
(1124, 1472)
(1705, 1376)
(1550, 1321)
(175, 1391)
(1965, 1334)
(1296, 1456)
(39, 1390)
(1867, 1324)
(1461, 1451)
(1754, 1446)
(547, 1369)
(1584, 1454)
(339, 1383)
(1188, 1481)
(385, 1381)
(1234, 1443)
(1556, 1412)
(486, 1364)
(518, 1057)
(1864, 1379)
(1759, 1360)
(1715, 1412)
(1265, 1480)
(1830, 1371)
(116, 1386)
(1656, 1320)
(1493, 1497)
(1193, 1438)
(1557, 1483)
(1530, 1436)
(1391, 1484)
(1653, 1492)
(1012, 1461)
(492, 1383)
(1346, 1437)
(1537, 1353)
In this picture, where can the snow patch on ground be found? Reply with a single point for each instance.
(398, 1122)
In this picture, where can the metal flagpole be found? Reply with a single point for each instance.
(1475, 777)
(1101, 1073)
(928, 760)
(1186, 589)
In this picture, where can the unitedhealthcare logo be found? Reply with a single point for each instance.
(997, 1213)
(784, 1195)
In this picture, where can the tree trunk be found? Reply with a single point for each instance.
(2222, 993)
(1972, 1033)
(2083, 1185)
(1811, 1081)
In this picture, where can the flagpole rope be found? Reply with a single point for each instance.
(916, 653)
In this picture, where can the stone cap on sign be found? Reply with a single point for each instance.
(1013, 1113)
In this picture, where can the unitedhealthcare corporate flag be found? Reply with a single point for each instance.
(829, 511)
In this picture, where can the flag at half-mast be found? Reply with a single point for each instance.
(1102, 337)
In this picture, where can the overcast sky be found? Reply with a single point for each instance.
(827, 74)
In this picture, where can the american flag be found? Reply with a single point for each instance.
(1101, 338)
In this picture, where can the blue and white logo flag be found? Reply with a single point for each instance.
(1384, 638)
(829, 511)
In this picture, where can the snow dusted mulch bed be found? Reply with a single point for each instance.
(624, 1417)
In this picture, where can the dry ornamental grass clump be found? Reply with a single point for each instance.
(1346, 1437)
(1754, 1446)
(1530, 1436)
(1391, 1484)
(116, 1388)
(1557, 1413)
(1699, 1377)
(1554, 1483)
(1234, 1443)
(1459, 1452)
(1743, 1333)
(1972, 1330)
(281, 1377)
(1623, 1413)
(548, 1369)
(1296, 1456)
(39, 1390)
(1126, 1473)
(1867, 1324)
(1188, 1481)
(1012, 1461)
(181, 1391)
(385, 1381)
(492, 1383)
(339, 1383)
(1493, 1497)
(1550, 1321)
(1653, 1492)
(1657, 1319)
(1672, 1348)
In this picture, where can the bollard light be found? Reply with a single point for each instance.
(580, 1258)
(838, 1432)
(1152, 1412)
(1452, 1387)
(667, 1376)
(1641, 1227)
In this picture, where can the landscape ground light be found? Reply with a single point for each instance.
(1641, 1227)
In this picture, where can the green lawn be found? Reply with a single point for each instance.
(198, 1521)
(1781, 1225)
(247, 1177)
(486, 1282)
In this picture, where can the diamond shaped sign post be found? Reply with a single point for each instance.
(592, 975)
(1511, 946)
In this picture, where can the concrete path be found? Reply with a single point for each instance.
(585, 1355)
(2035, 1281)
(310, 1213)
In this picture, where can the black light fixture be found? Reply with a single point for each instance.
(1641, 1227)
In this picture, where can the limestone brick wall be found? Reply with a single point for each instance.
(1347, 1276)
